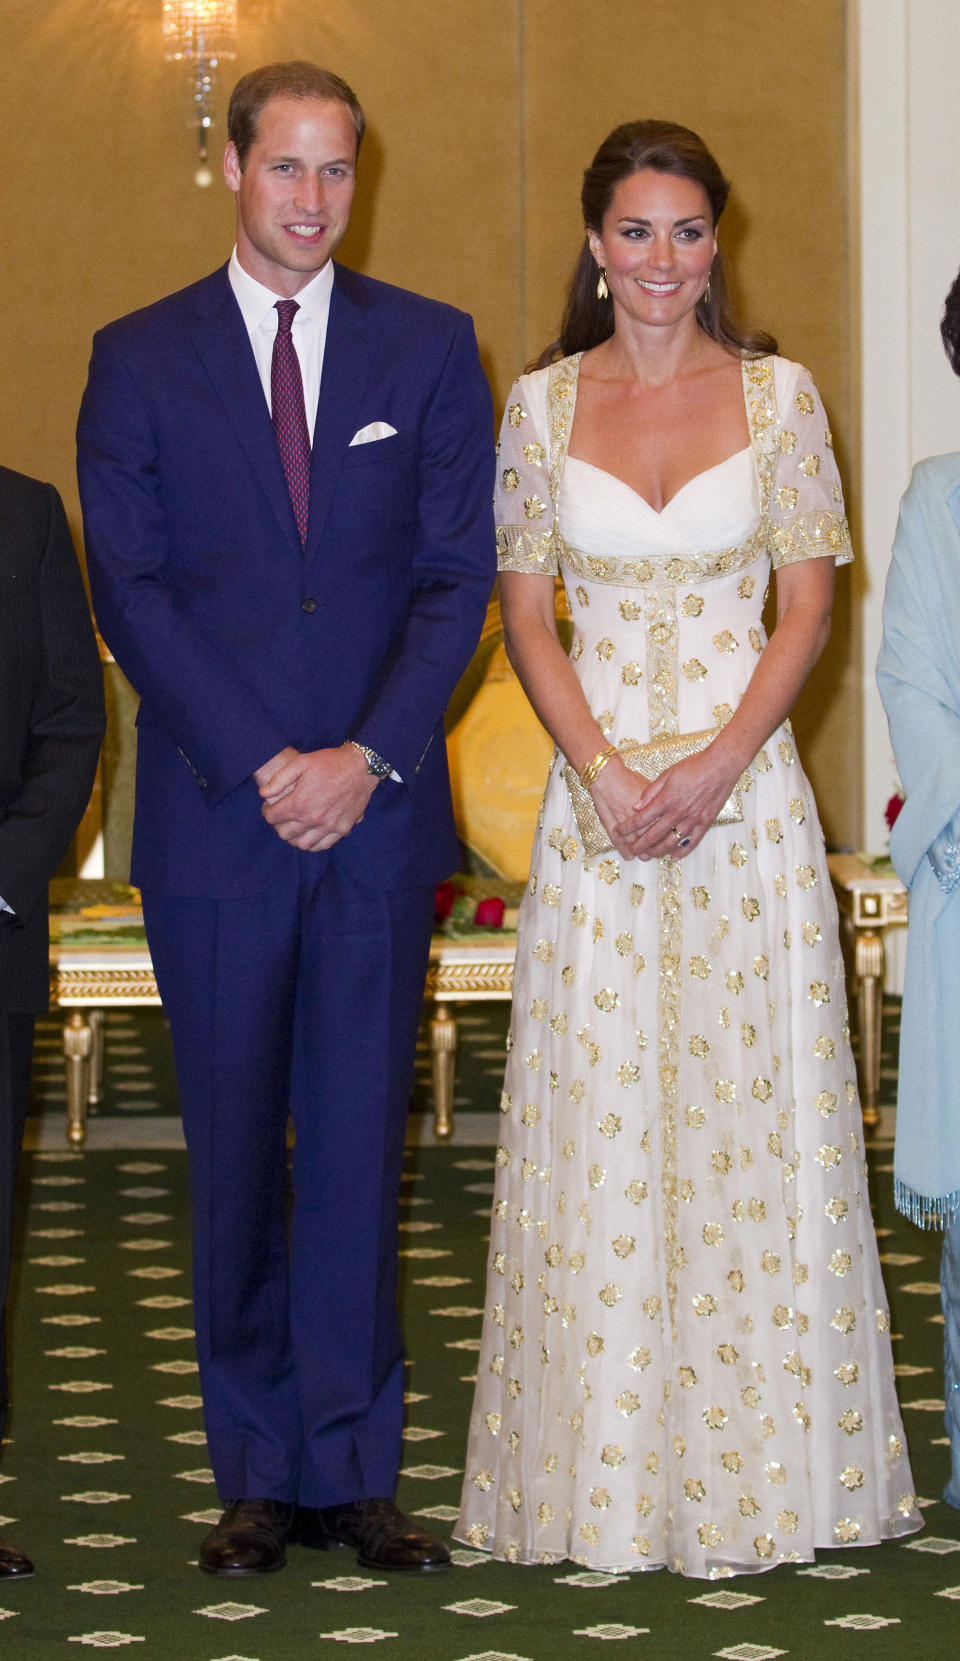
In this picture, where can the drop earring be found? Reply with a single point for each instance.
(602, 289)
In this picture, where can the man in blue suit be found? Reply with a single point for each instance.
(286, 474)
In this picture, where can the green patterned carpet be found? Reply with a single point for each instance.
(106, 1480)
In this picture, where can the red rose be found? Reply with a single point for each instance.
(892, 811)
(490, 913)
(443, 901)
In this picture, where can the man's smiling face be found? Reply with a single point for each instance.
(295, 191)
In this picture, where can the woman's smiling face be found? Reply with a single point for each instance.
(657, 246)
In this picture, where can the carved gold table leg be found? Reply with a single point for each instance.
(868, 967)
(443, 1055)
(77, 1049)
(96, 1057)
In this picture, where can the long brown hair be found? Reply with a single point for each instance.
(665, 148)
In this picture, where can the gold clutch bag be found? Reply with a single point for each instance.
(651, 760)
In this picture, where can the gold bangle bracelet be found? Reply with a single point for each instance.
(588, 773)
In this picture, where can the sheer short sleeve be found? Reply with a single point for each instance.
(522, 504)
(807, 518)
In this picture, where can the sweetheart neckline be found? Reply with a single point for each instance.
(659, 512)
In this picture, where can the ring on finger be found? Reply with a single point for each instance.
(682, 841)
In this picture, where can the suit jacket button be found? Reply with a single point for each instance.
(308, 605)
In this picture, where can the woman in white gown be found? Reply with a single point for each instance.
(686, 1354)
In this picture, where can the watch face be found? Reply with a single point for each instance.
(375, 763)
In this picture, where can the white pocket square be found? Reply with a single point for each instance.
(375, 429)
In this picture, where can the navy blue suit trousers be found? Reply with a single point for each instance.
(303, 1000)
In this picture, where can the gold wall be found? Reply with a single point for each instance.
(483, 114)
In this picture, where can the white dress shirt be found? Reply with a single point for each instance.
(258, 307)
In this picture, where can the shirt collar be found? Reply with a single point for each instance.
(257, 302)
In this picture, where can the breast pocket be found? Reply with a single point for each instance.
(376, 496)
(380, 452)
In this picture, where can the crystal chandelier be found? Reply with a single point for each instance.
(200, 34)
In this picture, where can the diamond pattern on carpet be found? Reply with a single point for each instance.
(106, 1483)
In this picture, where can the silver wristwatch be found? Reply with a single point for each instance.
(375, 764)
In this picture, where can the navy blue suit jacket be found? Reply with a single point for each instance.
(239, 641)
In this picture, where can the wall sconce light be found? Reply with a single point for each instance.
(200, 34)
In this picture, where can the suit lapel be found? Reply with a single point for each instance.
(348, 358)
(224, 348)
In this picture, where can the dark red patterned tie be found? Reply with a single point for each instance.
(290, 416)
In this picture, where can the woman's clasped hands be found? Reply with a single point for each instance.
(668, 817)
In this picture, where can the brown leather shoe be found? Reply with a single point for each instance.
(250, 1538)
(14, 1564)
(381, 1536)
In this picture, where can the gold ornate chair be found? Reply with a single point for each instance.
(499, 755)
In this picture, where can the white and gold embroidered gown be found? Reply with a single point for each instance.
(686, 1356)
